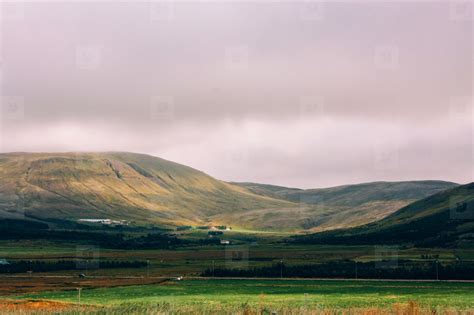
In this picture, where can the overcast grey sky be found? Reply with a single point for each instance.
(299, 94)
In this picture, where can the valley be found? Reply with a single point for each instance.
(81, 231)
(148, 190)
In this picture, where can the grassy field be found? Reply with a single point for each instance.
(272, 295)
(191, 261)
(140, 290)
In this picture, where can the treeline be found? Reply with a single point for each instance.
(350, 269)
(74, 225)
(37, 223)
(19, 225)
(144, 239)
(45, 266)
(149, 241)
(409, 233)
(18, 230)
(437, 230)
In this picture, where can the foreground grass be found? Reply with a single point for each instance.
(233, 295)
(36, 307)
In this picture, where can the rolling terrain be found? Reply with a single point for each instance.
(149, 190)
(349, 205)
(121, 186)
(444, 219)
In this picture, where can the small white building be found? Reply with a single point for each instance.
(105, 221)
(225, 242)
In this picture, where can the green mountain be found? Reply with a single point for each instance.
(114, 185)
(147, 189)
(444, 219)
(351, 205)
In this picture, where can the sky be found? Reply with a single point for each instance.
(300, 94)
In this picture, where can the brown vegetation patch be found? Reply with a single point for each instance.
(8, 306)
(23, 285)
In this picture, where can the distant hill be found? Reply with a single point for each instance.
(351, 205)
(147, 189)
(444, 219)
(117, 185)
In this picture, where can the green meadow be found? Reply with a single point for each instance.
(276, 294)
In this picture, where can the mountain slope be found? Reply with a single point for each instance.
(446, 218)
(351, 205)
(147, 189)
(119, 186)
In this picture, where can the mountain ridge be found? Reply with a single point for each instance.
(149, 189)
(112, 181)
(443, 219)
(353, 205)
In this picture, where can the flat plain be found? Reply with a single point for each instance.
(156, 288)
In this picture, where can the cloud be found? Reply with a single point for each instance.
(298, 152)
(270, 92)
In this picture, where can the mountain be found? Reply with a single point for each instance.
(117, 185)
(351, 205)
(443, 219)
(147, 189)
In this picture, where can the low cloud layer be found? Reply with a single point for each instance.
(283, 93)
